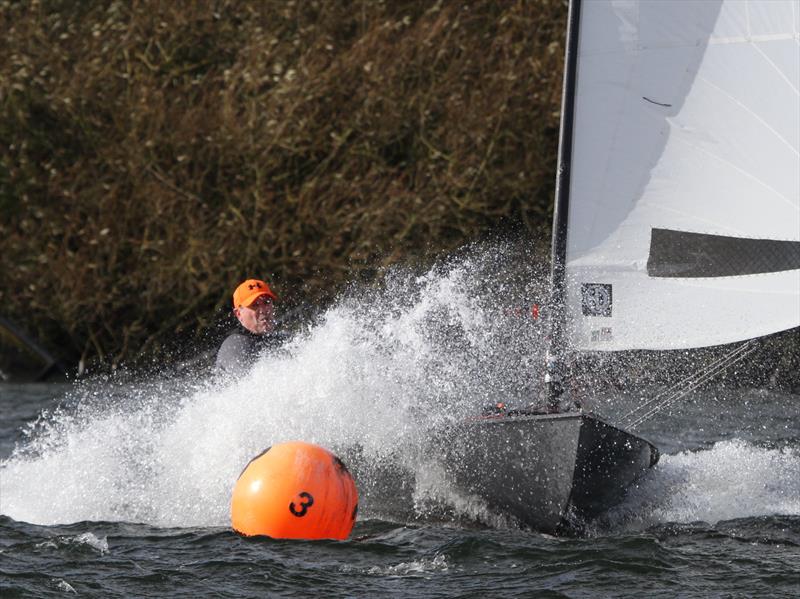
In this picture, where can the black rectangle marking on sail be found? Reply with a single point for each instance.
(692, 255)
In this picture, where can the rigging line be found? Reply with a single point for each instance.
(672, 400)
(713, 368)
(656, 409)
(705, 377)
(689, 380)
(690, 384)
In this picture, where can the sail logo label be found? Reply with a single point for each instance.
(596, 299)
(602, 335)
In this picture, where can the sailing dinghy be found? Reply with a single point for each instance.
(677, 226)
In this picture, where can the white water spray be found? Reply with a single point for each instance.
(379, 372)
(732, 479)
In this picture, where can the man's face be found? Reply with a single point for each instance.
(258, 317)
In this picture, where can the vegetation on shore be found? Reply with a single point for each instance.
(156, 153)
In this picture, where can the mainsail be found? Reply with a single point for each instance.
(684, 180)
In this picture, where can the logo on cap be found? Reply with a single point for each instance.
(249, 290)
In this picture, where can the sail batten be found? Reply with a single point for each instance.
(684, 190)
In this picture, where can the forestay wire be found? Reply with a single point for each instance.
(666, 398)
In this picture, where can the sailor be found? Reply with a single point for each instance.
(254, 308)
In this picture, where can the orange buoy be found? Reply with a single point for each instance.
(295, 490)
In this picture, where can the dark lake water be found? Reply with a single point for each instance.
(717, 518)
(120, 486)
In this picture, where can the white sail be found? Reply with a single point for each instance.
(684, 199)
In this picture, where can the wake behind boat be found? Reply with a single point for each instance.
(676, 227)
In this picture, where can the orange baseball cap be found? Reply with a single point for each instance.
(247, 292)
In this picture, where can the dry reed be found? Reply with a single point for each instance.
(155, 153)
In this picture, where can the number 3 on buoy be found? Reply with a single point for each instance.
(308, 479)
(304, 505)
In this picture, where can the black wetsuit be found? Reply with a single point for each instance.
(241, 349)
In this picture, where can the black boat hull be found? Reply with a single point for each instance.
(553, 472)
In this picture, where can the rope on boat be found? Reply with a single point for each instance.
(652, 407)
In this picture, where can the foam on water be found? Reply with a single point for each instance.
(87, 539)
(414, 568)
(733, 479)
(380, 370)
(63, 585)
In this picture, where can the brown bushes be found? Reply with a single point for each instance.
(154, 154)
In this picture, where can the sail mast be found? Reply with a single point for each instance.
(557, 349)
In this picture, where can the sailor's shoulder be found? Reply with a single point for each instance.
(237, 339)
(236, 352)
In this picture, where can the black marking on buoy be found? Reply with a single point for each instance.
(303, 505)
(355, 511)
(340, 464)
(253, 460)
